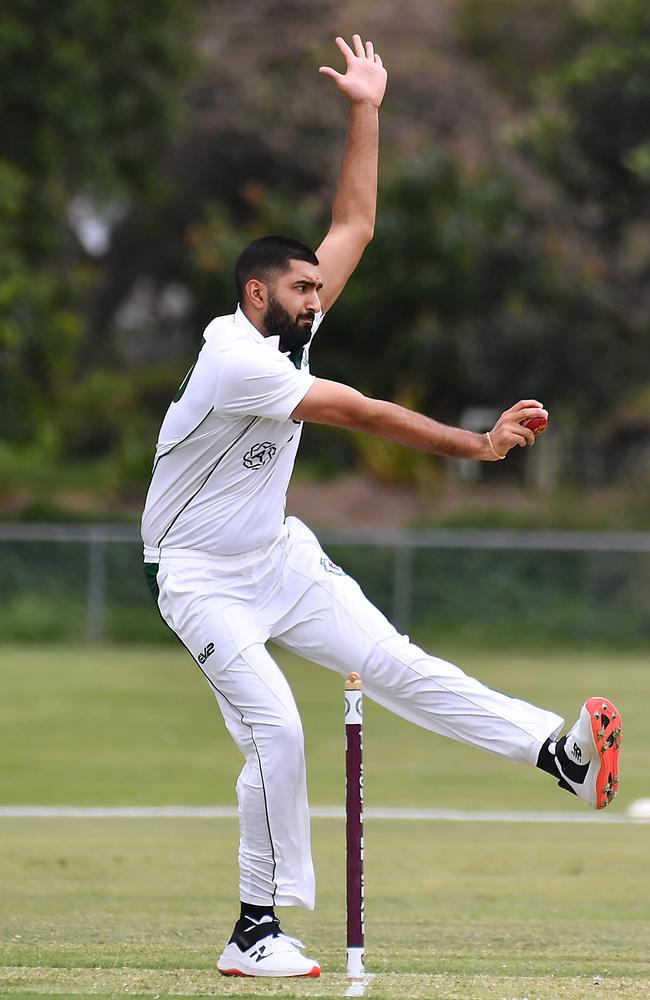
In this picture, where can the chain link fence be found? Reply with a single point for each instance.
(85, 582)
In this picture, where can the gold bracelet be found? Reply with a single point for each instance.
(488, 438)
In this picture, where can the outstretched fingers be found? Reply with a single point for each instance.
(360, 50)
(332, 73)
(364, 79)
(348, 55)
(346, 51)
(358, 46)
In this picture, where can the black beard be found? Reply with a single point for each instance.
(279, 323)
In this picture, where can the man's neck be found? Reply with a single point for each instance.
(255, 320)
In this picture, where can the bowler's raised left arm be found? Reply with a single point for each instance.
(355, 201)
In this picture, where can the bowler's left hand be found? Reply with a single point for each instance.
(364, 80)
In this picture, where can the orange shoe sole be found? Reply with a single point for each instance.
(607, 730)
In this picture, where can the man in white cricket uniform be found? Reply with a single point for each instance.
(230, 572)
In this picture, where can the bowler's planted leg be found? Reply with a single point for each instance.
(225, 638)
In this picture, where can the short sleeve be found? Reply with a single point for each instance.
(260, 382)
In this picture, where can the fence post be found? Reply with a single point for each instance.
(96, 594)
(402, 585)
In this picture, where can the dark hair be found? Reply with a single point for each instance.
(270, 253)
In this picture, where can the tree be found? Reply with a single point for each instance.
(590, 130)
(87, 105)
(484, 281)
(466, 298)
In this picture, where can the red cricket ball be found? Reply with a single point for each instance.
(537, 424)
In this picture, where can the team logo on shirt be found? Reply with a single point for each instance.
(331, 567)
(259, 455)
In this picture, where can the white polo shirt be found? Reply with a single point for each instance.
(227, 445)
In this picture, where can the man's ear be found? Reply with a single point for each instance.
(256, 294)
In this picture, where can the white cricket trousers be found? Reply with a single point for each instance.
(225, 608)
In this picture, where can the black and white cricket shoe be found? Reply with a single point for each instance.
(272, 953)
(587, 757)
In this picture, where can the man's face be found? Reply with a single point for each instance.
(292, 304)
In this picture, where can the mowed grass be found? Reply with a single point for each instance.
(117, 906)
(109, 908)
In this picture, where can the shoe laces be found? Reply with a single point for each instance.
(277, 932)
(274, 931)
(294, 942)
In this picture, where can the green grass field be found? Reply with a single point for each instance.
(140, 907)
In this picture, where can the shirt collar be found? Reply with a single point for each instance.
(242, 320)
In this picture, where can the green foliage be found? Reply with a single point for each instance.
(469, 295)
(464, 298)
(590, 131)
(94, 436)
(514, 40)
(225, 225)
(86, 107)
(85, 104)
(30, 618)
(560, 597)
(39, 328)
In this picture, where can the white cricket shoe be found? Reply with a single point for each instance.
(587, 757)
(274, 954)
